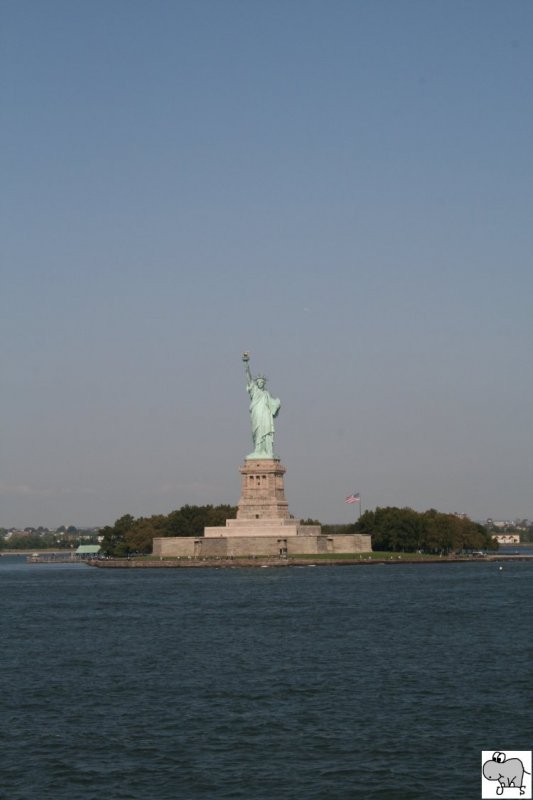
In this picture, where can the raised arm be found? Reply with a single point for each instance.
(246, 361)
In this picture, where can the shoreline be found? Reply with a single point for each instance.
(258, 563)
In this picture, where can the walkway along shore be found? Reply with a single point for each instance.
(238, 563)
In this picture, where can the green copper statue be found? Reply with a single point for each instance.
(263, 409)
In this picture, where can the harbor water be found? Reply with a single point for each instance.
(326, 683)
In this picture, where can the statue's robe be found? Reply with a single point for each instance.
(263, 409)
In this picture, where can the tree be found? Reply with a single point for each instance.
(405, 530)
(113, 542)
(129, 536)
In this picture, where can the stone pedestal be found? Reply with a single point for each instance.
(262, 490)
(263, 510)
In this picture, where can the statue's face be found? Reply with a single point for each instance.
(261, 383)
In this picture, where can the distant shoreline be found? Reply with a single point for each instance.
(30, 551)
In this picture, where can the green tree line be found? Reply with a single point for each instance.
(404, 530)
(526, 537)
(44, 541)
(130, 536)
(393, 529)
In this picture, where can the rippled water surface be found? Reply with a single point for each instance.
(325, 683)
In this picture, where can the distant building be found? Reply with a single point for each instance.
(507, 538)
(88, 550)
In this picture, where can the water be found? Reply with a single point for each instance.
(328, 683)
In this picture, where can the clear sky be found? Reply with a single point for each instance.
(344, 188)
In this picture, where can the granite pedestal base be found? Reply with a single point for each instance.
(280, 546)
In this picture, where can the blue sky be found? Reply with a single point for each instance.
(342, 188)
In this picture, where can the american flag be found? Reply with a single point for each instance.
(353, 498)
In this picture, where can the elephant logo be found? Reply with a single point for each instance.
(506, 775)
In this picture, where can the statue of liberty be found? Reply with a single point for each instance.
(263, 410)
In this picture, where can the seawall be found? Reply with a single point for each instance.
(237, 563)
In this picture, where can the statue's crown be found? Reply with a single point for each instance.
(261, 378)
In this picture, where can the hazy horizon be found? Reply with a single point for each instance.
(343, 189)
